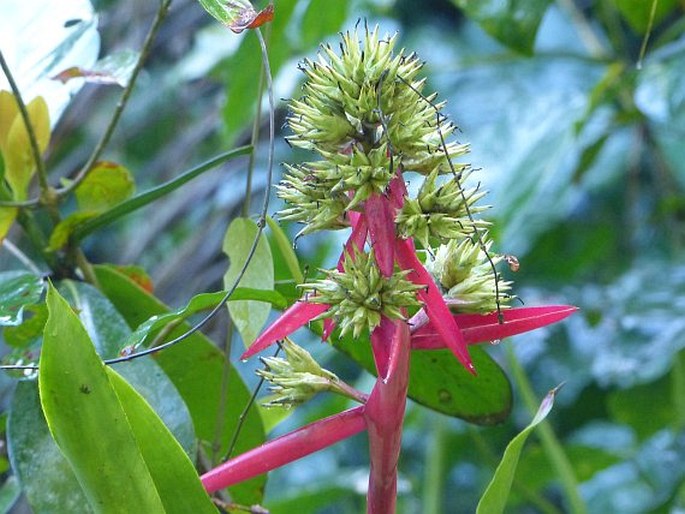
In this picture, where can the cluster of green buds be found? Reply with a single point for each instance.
(359, 294)
(298, 377)
(463, 269)
(364, 114)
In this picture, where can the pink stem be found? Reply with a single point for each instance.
(381, 339)
(380, 218)
(384, 413)
(287, 448)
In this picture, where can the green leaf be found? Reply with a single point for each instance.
(494, 500)
(513, 23)
(203, 301)
(249, 316)
(18, 289)
(87, 419)
(105, 186)
(322, 18)
(200, 372)
(47, 479)
(286, 250)
(439, 382)
(237, 15)
(174, 475)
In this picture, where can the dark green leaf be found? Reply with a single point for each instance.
(17, 290)
(9, 493)
(47, 479)
(197, 369)
(439, 382)
(248, 316)
(637, 12)
(31, 328)
(494, 500)
(83, 412)
(513, 23)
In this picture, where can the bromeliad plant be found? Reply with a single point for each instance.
(416, 271)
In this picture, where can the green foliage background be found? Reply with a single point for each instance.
(581, 142)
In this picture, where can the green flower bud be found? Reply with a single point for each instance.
(296, 378)
(463, 270)
(443, 211)
(359, 295)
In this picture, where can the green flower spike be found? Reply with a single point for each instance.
(298, 377)
(463, 270)
(359, 295)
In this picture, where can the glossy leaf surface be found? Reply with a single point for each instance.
(17, 290)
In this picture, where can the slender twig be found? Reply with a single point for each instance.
(21, 256)
(243, 414)
(123, 101)
(33, 141)
(645, 40)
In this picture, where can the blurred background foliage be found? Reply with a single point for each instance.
(580, 140)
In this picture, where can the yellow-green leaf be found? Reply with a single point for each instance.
(7, 217)
(8, 111)
(60, 234)
(19, 160)
(86, 418)
(107, 185)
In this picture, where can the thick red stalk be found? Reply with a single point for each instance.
(297, 315)
(435, 306)
(384, 414)
(285, 449)
(478, 328)
(381, 339)
(380, 218)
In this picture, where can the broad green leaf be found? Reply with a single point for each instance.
(7, 217)
(18, 289)
(39, 464)
(87, 419)
(248, 316)
(513, 23)
(114, 68)
(61, 233)
(107, 330)
(201, 302)
(19, 162)
(197, 369)
(174, 475)
(107, 185)
(322, 18)
(494, 500)
(47, 479)
(439, 382)
(637, 12)
(285, 247)
(8, 112)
